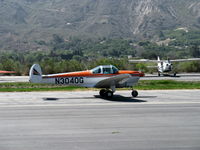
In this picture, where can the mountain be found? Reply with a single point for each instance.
(31, 24)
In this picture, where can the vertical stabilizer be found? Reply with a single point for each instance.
(35, 74)
(159, 63)
(160, 66)
(158, 59)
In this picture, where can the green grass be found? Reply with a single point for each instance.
(166, 84)
(29, 87)
(142, 85)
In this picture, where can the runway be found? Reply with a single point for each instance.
(160, 119)
(4, 79)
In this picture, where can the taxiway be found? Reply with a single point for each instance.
(160, 119)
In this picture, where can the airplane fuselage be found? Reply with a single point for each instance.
(86, 79)
(164, 67)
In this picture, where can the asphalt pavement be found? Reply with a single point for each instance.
(156, 120)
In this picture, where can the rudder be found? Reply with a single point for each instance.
(35, 74)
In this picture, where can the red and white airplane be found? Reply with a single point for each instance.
(107, 77)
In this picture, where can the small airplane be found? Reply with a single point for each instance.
(164, 66)
(106, 77)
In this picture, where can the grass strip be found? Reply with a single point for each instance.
(29, 87)
(166, 84)
(142, 85)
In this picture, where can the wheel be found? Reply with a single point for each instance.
(134, 93)
(102, 92)
(109, 94)
(175, 74)
(159, 74)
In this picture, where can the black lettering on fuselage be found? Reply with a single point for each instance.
(66, 80)
(57, 81)
(62, 81)
(70, 80)
(81, 80)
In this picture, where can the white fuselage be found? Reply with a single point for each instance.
(86, 81)
(164, 67)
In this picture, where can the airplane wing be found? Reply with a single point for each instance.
(142, 61)
(156, 61)
(3, 72)
(182, 60)
(152, 66)
(106, 83)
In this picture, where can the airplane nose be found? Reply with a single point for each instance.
(137, 73)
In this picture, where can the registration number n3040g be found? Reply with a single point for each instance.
(72, 80)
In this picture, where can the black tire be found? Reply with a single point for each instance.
(102, 92)
(134, 93)
(175, 74)
(109, 94)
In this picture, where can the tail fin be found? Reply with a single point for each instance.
(35, 74)
(158, 59)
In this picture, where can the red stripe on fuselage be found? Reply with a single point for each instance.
(90, 74)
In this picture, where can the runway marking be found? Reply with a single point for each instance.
(97, 104)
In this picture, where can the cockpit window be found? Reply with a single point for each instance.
(96, 70)
(109, 69)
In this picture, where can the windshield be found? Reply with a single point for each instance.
(108, 69)
(115, 70)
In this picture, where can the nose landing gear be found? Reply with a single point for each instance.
(134, 93)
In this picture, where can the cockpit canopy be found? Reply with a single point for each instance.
(107, 69)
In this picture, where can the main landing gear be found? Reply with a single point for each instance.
(106, 93)
(109, 94)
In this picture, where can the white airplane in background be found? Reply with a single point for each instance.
(164, 66)
(107, 77)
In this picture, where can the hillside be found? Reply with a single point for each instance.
(31, 24)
